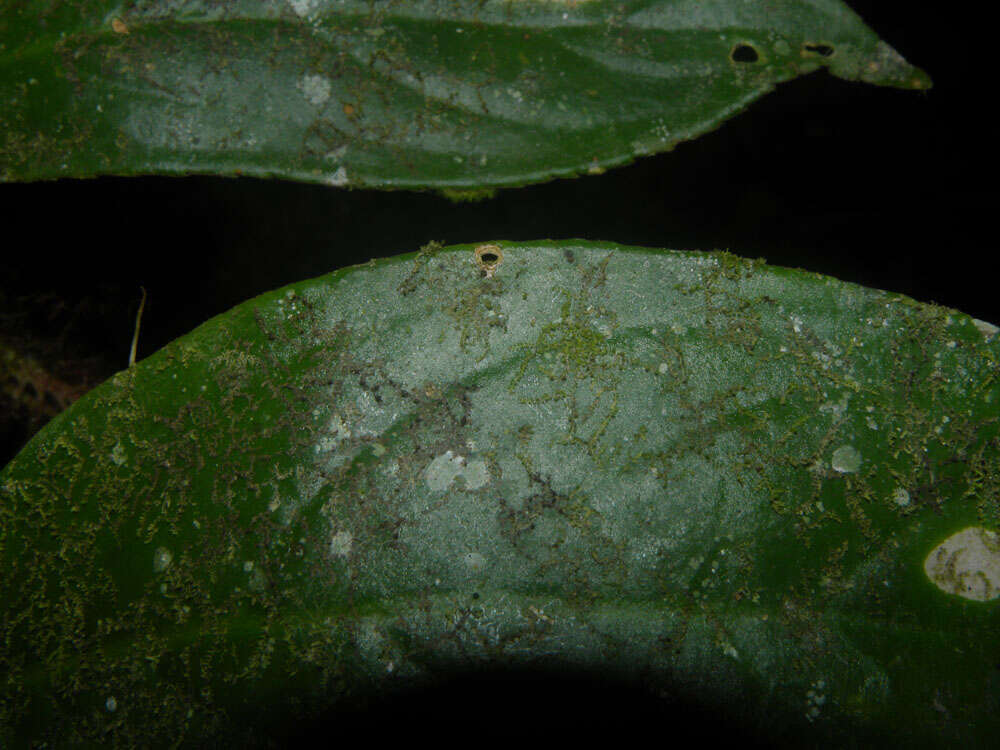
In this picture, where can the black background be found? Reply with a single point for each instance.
(889, 189)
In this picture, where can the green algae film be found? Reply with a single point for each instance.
(775, 492)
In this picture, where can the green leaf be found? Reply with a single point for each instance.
(450, 94)
(763, 489)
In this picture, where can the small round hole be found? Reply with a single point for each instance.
(488, 258)
(744, 53)
(824, 50)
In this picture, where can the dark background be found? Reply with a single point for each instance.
(889, 189)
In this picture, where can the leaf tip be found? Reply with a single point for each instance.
(881, 66)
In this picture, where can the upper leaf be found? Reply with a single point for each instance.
(451, 94)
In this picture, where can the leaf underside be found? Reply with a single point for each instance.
(725, 478)
(445, 94)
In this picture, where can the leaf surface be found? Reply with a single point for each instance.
(448, 94)
(766, 490)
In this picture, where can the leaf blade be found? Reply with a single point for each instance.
(415, 95)
(359, 480)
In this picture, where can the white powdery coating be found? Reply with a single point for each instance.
(967, 564)
(315, 88)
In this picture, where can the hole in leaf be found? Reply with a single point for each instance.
(744, 53)
(824, 50)
(488, 258)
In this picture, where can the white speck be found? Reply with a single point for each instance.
(248, 566)
(796, 323)
(118, 454)
(663, 368)
(315, 88)
(340, 544)
(872, 424)
(967, 564)
(846, 459)
(111, 704)
(162, 559)
(338, 178)
(951, 344)
(901, 497)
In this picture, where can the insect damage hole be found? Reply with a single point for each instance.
(489, 258)
(744, 53)
(823, 50)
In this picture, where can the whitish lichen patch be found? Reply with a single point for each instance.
(846, 459)
(339, 178)
(162, 559)
(340, 544)
(118, 454)
(315, 88)
(302, 8)
(337, 431)
(987, 329)
(474, 562)
(447, 467)
(967, 564)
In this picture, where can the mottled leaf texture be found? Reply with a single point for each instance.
(446, 94)
(767, 491)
